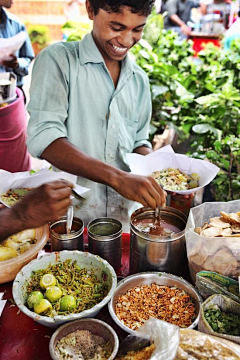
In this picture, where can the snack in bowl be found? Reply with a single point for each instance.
(176, 179)
(163, 302)
(12, 196)
(17, 244)
(86, 262)
(66, 287)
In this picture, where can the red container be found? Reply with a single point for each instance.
(14, 156)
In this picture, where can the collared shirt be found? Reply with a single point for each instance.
(182, 8)
(72, 95)
(10, 25)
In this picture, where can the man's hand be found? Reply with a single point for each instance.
(186, 30)
(143, 189)
(12, 64)
(45, 203)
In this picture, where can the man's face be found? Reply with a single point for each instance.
(6, 3)
(115, 33)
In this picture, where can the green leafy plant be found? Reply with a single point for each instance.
(75, 31)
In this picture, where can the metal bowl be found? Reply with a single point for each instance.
(147, 278)
(97, 327)
(84, 260)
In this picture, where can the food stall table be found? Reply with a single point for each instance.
(22, 338)
(201, 39)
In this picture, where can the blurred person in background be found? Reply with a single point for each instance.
(178, 15)
(10, 25)
(41, 205)
(72, 10)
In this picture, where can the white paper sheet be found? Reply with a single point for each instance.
(10, 45)
(166, 158)
(24, 179)
(2, 303)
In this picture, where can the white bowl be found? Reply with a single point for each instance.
(9, 268)
(84, 260)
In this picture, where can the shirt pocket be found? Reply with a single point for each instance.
(127, 134)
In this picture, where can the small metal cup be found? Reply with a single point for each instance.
(105, 240)
(60, 240)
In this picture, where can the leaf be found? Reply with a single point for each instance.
(158, 90)
(207, 100)
(203, 128)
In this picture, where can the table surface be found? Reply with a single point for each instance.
(21, 338)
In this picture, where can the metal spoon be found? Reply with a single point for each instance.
(157, 215)
(69, 219)
(132, 343)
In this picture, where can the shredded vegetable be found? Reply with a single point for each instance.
(80, 283)
(175, 179)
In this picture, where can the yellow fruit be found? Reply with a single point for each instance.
(53, 293)
(33, 298)
(47, 280)
(42, 306)
(7, 253)
(68, 303)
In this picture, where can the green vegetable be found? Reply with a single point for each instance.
(33, 298)
(222, 322)
(80, 283)
(68, 303)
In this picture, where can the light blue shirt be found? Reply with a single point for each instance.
(72, 95)
(9, 27)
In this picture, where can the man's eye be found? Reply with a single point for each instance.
(138, 30)
(116, 29)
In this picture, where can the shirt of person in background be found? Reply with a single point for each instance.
(10, 25)
(178, 14)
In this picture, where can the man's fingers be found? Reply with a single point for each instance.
(59, 184)
(62, 207)
(61, 193)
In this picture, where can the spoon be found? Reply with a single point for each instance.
(69, 219)
(157, 216)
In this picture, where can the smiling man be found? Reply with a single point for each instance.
(90, 105)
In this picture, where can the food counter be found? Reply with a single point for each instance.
(22, 338)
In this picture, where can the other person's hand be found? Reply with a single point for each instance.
(12, 64)
(45, 203)
(186, 30)
(143, 189)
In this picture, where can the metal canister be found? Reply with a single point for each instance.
(105, 240)
(161, 253)
(60, 240)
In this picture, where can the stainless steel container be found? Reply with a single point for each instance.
(161, 253)
(105, 240)
(62, 241)
(95, 326)
(149, 278)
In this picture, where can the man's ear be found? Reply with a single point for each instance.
(89, 10)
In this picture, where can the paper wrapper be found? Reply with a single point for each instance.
(2, 303)
(25, 180)
(166, 158)
(218, 254)
(225, 304)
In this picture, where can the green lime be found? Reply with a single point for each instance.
(47, 280)
(42, 306)
(53, 293)
(67, 303)
(33, 298)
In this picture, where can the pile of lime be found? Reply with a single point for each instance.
(41, 301)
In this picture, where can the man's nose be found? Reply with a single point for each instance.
(126, 39)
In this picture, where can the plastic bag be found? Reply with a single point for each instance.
(225, 304)
(195, 345)
(209, 283)
(218, 254)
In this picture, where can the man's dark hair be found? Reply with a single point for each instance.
(141, 7)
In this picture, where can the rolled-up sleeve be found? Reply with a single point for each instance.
(48, 106)
(144, 117)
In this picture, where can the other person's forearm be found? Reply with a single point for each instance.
(10, 223)
(67, 157)
(177, 20)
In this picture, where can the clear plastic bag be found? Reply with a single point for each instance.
(218, 254)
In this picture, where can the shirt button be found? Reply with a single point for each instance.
(112, 209)
(113, 126)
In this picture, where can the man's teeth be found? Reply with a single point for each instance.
(118, 49)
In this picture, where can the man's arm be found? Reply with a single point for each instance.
(65, 156)
(143, 150)
(176, 19)
(43, 204)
